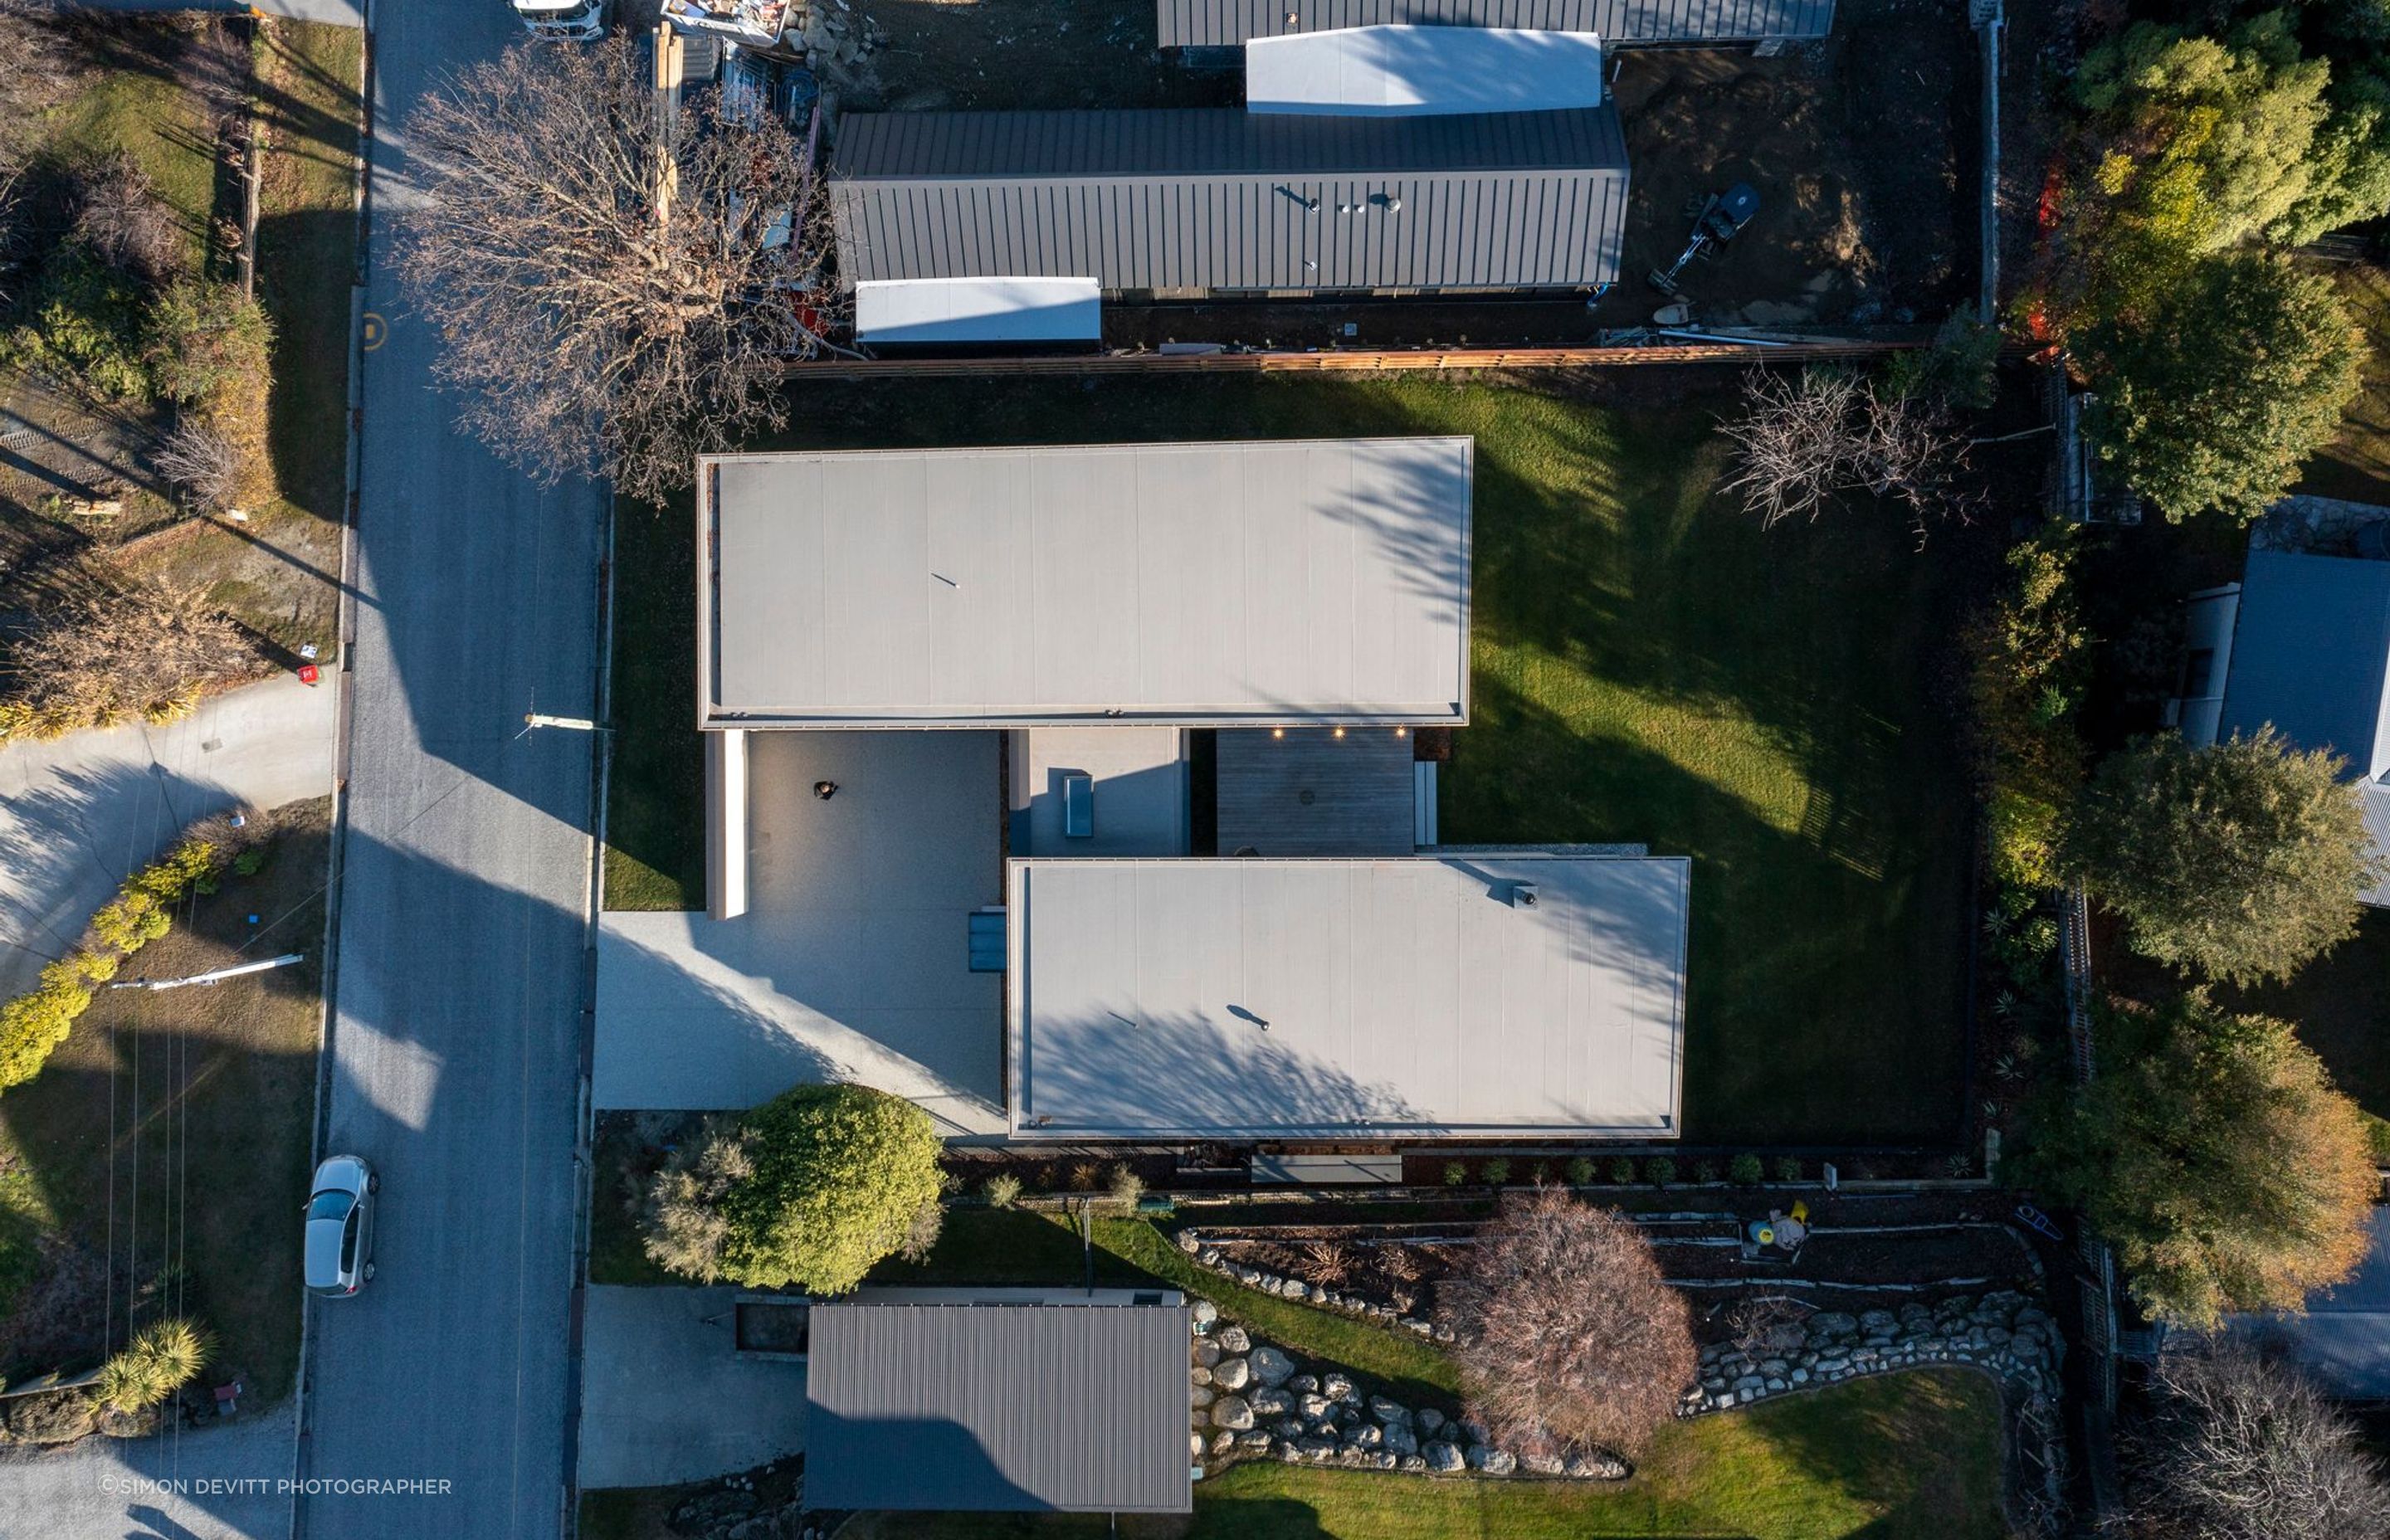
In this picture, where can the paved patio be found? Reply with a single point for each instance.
(850, 963)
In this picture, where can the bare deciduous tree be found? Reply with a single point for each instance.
(1568, 1338)
(203, 465)
(2234, 1448)
(127, 225)
(1807, 441)
(127, 648)
(609, 294)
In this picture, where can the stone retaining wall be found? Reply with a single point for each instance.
(1253, 1400)
(1260, 1281)
(2003, 1332)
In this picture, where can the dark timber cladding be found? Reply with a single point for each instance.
(1620, 23)
(1204, 199)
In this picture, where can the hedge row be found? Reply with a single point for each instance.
(33, 1024)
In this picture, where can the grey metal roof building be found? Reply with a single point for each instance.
(1217, 200)
(2311, 656)
(2343, 1336)
(1620, 23)
(1461, 995)
(999, 1400)
(1300, 581)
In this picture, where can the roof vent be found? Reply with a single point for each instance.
(1523, 895)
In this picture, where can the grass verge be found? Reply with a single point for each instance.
(171, 1132)
(1907, 1457)
(1648, 666)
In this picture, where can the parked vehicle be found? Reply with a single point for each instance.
(567, 21)
(340, 1212)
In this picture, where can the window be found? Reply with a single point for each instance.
(331, 1205)
(2198, 673)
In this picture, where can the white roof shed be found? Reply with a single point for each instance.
(1420, 71)
(978, 310)
(1422, 996)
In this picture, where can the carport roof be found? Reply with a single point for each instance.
(1403, 997)
(1194, 584)
(1004, 1401)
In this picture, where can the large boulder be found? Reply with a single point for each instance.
(1595, 1468)
(1232, 1374)
(1268, 1364)
(1207, 1353)
(1493, 1462)
(1232, 1339)
(1268, 1402)
(1444, 1458)
(1233, 1413)
(1388, 1411)
(1337, 1387)
(1203, 1312)
(1428, 1421)
(1400, 1439)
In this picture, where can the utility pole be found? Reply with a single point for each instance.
(541, 719)
(219, 976)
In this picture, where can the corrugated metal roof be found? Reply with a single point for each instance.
(1396, 997)
(1219, 199)
(2311, 655)
(1193, 584)
(997, 1406)
(1224, 23)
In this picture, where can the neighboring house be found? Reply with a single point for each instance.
(1619, 23)
(999, 1400)
(2301, 643)
(1079, 792)
(1197, 202)
(2343, 1338)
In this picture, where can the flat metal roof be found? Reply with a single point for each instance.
(2311, 655)
(1299, 580)
(1203, 199)
(1004, 1401)
(1225, 24)
(979, 310)
(1399, 997)
(1390, 70)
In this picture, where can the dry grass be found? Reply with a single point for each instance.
(204, 1099)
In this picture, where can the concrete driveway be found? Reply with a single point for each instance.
(665, 1399)
(226, 1483)
(852, 962)
(77, 815)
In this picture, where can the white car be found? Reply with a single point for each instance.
(340, 1227)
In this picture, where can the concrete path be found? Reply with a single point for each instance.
(77, 815)
(456, 1042)
(666, 1400)
(218, 1484)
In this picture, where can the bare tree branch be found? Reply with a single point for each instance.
(126, 648)
(1807, 441)
(589, 319)
(2234, 1448)
(202, 464)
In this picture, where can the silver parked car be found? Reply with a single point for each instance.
(340, 1227)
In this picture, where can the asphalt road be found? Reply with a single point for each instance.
(456, 1051)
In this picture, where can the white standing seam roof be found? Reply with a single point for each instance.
(1304, 581)
(1407, 996)
(979, 310)
(1422, 71)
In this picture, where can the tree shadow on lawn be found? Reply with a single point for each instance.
(1924, 1449)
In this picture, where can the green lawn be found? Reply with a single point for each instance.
(1908, 1457)
(1648, 666)
(162, 124)
(309, 94)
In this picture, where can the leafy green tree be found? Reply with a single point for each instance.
(2243, 861)
(2213, 1154)
(842, 1175)
(2215, 395)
